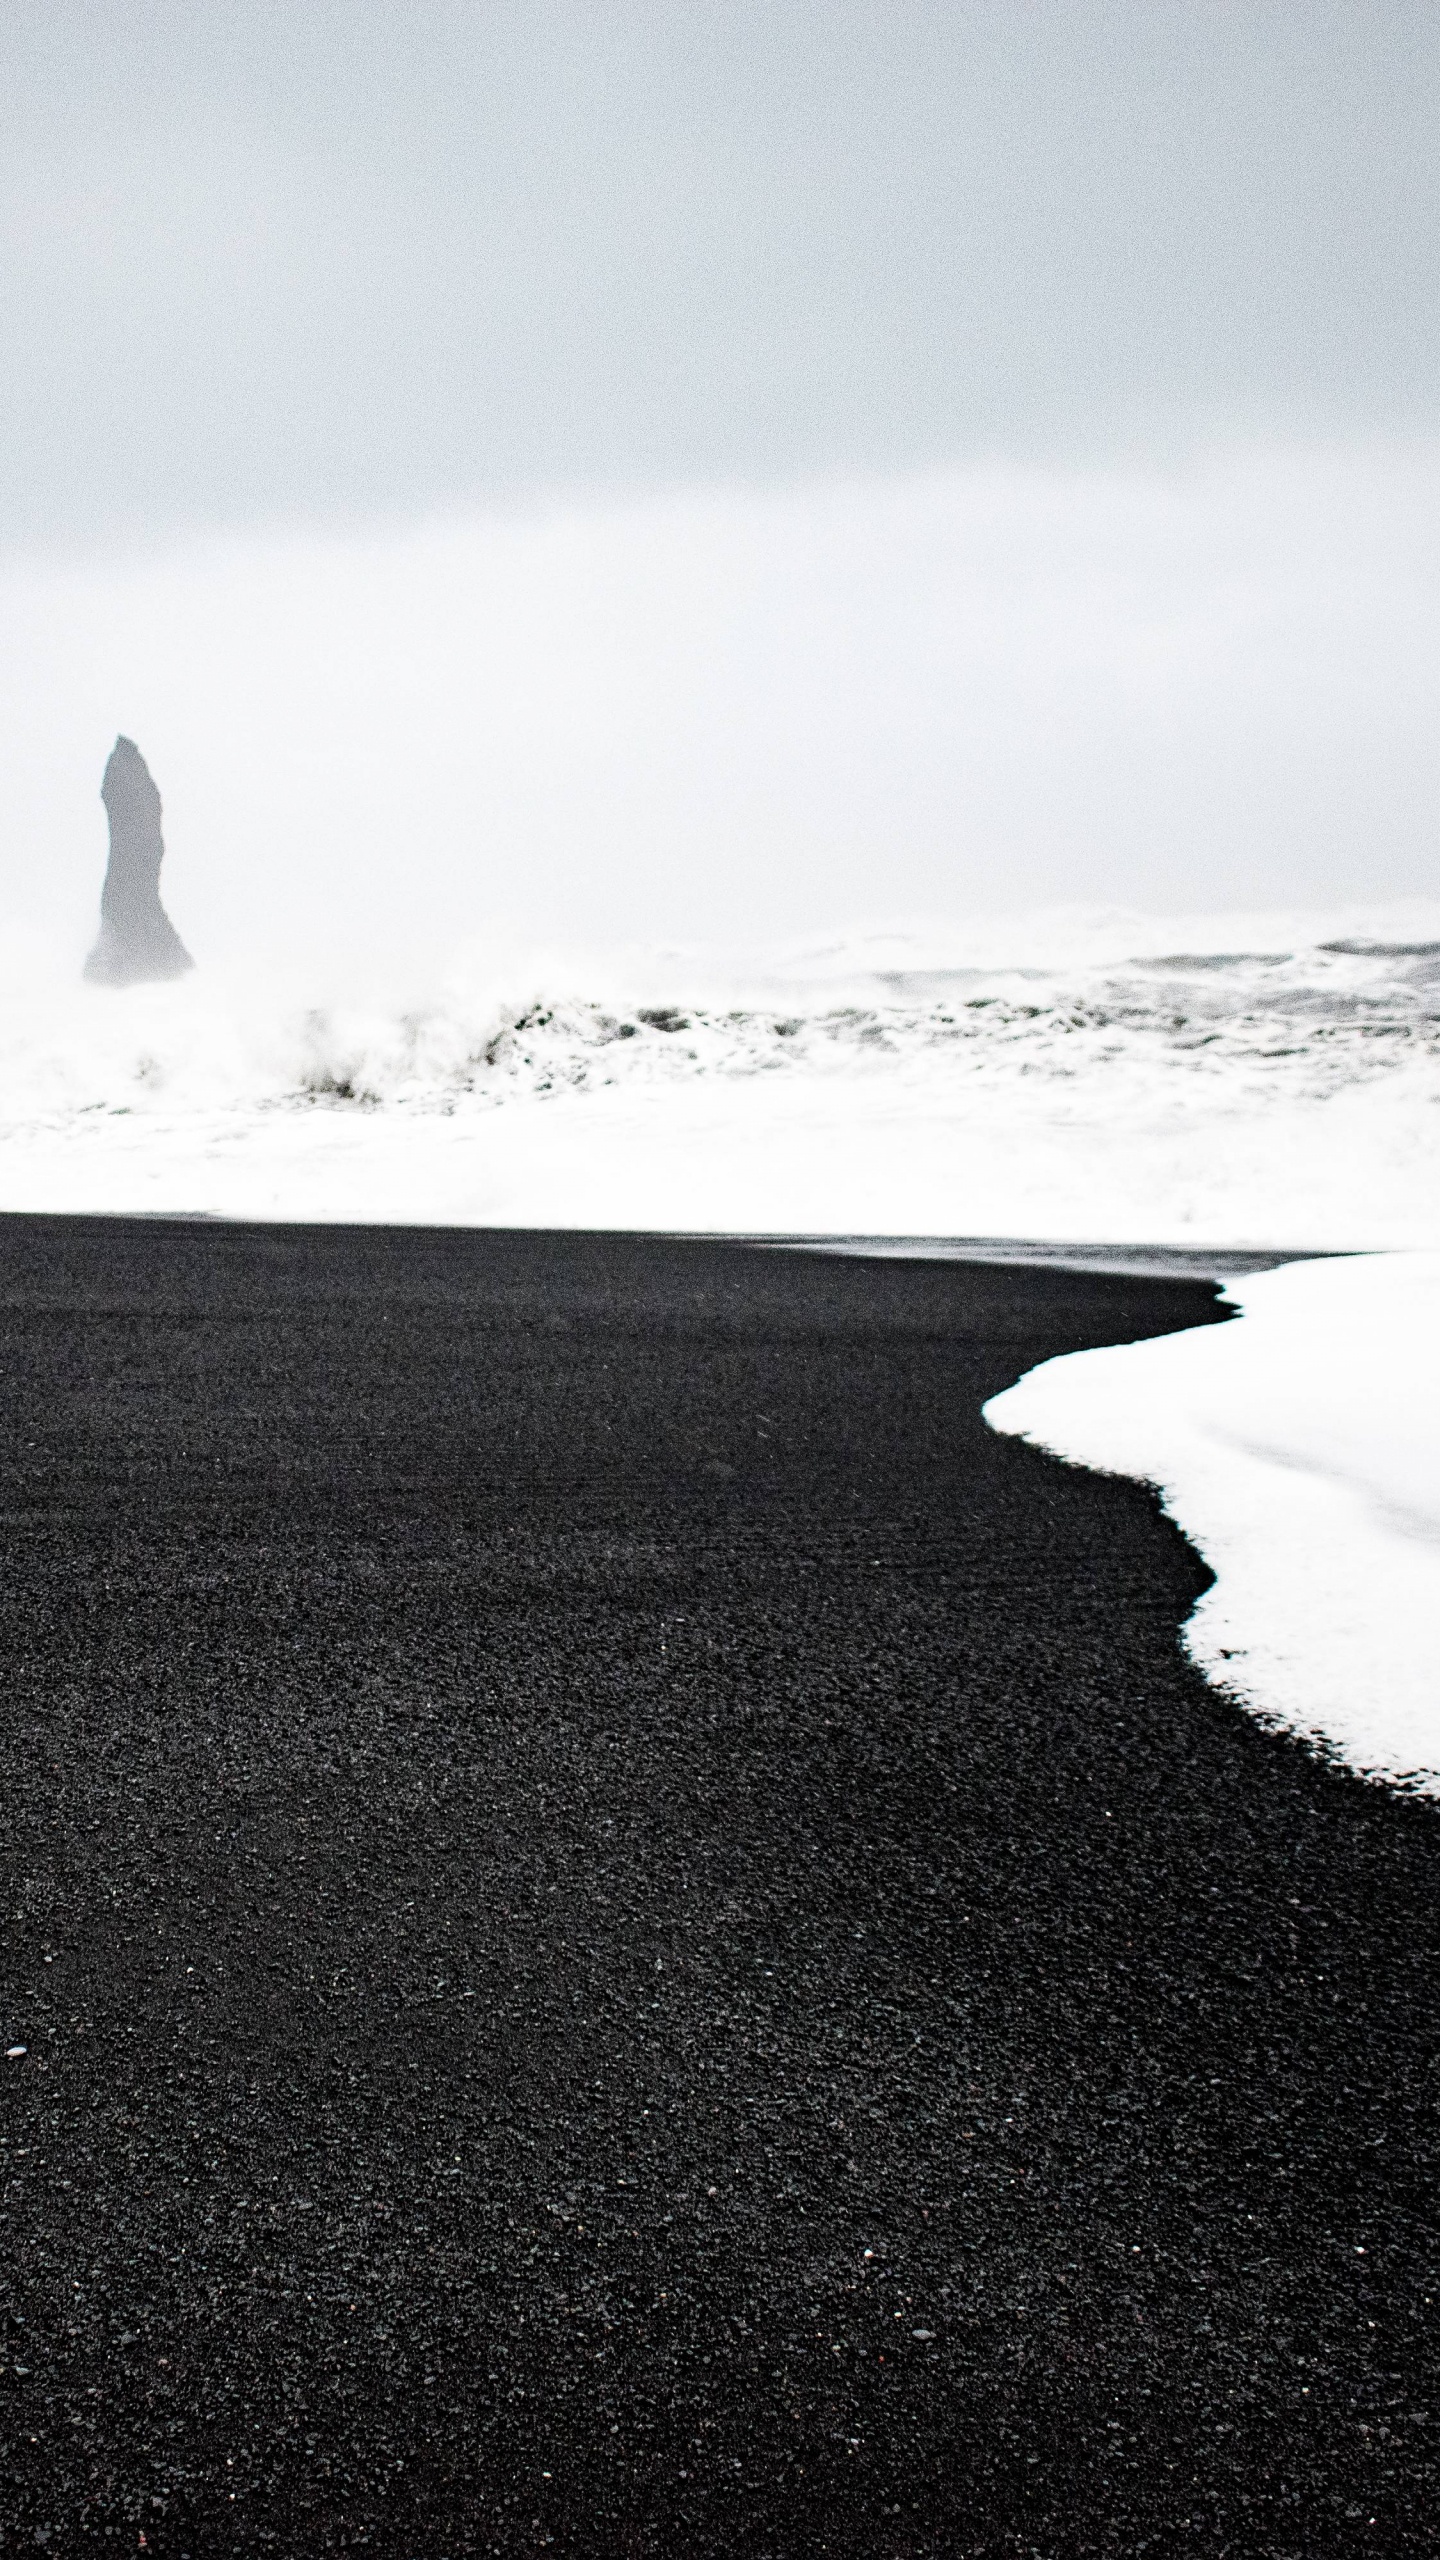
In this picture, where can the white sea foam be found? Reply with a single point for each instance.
(1243, 1080)
(1299, 1449)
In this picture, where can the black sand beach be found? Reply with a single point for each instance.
(632, 1938)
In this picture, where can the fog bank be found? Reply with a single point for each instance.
(723, 715)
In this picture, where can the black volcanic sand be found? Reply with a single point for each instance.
(634, 1938)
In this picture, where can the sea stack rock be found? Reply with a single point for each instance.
(137, 939)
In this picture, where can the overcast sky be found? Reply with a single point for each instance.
(720, 466)
(316, 258)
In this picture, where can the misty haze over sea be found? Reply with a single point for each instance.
(630, 474)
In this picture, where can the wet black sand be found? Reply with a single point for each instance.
(632, 1937)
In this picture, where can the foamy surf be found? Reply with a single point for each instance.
(1299, 1450)
(1258, 1081)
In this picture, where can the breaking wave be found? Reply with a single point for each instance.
(1304, 1021)
(1062, 1077)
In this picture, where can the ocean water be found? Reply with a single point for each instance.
(1299, 1450)
(1247, 1080)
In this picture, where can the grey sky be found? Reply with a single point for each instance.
(340, 259)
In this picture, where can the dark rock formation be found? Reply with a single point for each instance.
(137, 939)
